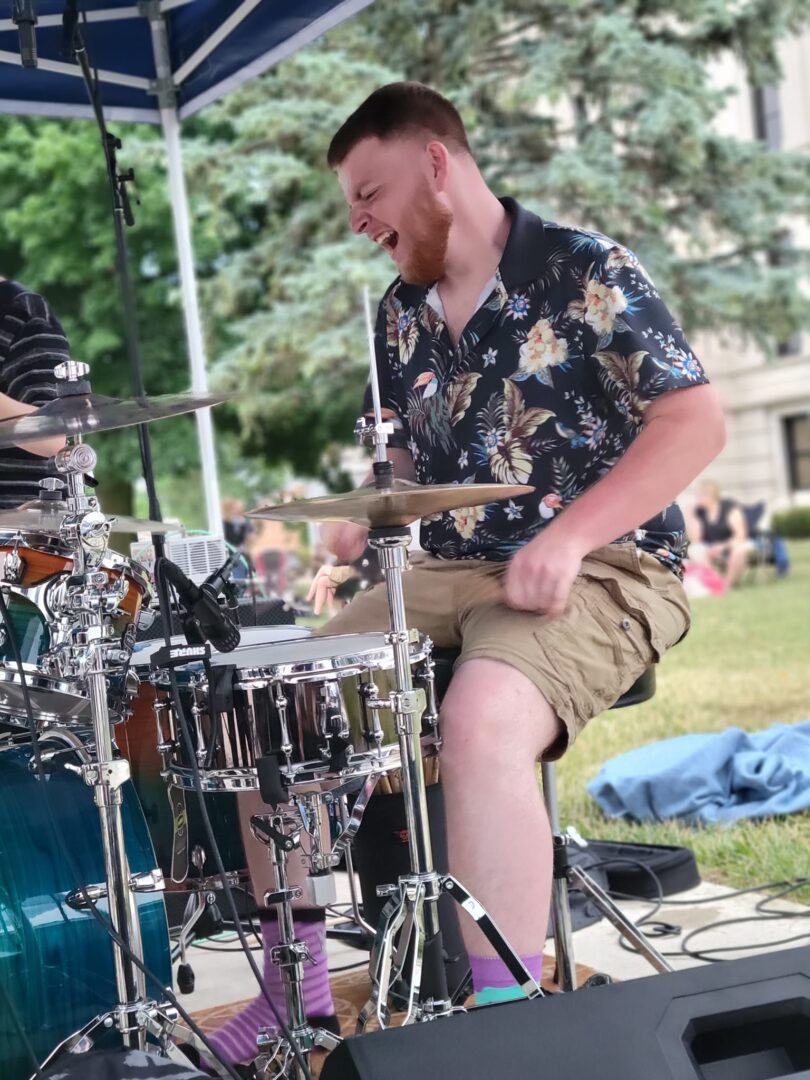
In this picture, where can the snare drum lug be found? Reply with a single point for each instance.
(399, 637)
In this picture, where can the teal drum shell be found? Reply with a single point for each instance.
(56, 966)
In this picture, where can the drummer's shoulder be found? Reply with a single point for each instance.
(31, 307)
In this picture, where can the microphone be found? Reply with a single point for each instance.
(206, 620)
(24, 14)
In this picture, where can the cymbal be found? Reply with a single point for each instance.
(84, 414)
(41, 516)
(404, 502)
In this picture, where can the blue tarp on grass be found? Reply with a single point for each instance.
(703, 779)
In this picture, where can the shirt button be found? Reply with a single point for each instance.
(626, 624)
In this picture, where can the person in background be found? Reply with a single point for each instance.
(718, 534)
(32, 344)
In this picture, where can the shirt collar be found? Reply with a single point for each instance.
(525, 251)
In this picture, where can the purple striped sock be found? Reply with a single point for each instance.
(236, 1040)
(492, 971)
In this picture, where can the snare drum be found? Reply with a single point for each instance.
(35, 569)
(136, 739)
(305, 701)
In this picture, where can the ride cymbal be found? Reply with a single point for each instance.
(84, 414)
(401, 504)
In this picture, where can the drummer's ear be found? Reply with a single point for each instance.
(438, 163)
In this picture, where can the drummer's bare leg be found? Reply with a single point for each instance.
(237, 1039)
(495, 724)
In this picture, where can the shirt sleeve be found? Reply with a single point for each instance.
(636, 348)
(36, 345)
(389, 367)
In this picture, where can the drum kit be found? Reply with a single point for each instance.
(312, 723)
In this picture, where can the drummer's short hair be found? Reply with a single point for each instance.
(400, 108)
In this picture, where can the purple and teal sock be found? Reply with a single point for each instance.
(493, 982)
(236, 1040)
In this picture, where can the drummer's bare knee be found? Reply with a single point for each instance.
(493, 714)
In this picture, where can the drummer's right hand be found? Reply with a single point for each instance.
(345, 540)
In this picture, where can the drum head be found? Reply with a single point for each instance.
(251, 637)
(314, 658)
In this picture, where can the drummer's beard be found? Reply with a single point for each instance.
(427, 235)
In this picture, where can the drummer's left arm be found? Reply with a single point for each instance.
(11, 408)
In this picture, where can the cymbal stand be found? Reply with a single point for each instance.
(90, 600)
(409, 932)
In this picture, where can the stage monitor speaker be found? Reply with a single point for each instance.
(740, 1020)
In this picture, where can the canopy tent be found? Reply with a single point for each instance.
(160, 61)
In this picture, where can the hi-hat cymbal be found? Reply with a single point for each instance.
(401, 504)
(83, 414)
(42, 516)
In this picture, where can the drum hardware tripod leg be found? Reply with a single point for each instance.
(411, 914)
(274, 1053)
(134, 1015)
(567, 876)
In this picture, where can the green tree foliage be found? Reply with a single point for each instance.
(601, 113)
(57, 237)
(598, 113)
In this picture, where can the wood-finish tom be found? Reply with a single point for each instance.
(34, 573)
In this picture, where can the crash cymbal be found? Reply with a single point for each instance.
(403, 503)
(84, 414)
(41, 516)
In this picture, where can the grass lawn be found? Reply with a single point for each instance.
(745, 662)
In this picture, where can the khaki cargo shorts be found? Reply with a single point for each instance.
(626, 609)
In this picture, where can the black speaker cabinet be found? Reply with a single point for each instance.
(740, 1020)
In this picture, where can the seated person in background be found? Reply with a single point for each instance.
(718, 534)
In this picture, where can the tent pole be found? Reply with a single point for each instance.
(191, 311)
(185, 257)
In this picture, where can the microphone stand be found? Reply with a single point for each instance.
(76, 49)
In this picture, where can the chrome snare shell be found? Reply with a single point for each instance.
(313, 702)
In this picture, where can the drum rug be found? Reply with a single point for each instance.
(350, 990)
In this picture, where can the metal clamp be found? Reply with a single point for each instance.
(296, 952)
(406, 702)
(112, 774)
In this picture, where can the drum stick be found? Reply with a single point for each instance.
(375, 385)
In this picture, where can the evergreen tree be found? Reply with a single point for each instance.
(600, 113)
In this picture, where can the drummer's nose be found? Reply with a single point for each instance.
(359, 219)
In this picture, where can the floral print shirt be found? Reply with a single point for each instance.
(547, 386)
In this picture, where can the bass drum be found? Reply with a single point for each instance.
(56, 964)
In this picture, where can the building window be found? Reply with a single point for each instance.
(797, 441)
(768, 116)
